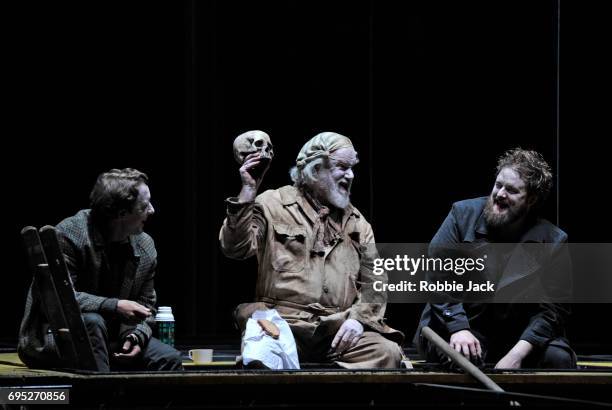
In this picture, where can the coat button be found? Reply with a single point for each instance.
(325, 289)
(447, 312)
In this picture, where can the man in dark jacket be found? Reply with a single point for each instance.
(512, 335)
(112, 264)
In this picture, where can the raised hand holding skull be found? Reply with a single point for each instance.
(254, 151)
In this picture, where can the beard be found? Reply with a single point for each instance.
(496, 220)
(329, 192)
(338, 197)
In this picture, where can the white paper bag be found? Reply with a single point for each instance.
(276, 354)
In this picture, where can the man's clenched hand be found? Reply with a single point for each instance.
(466, 343)
(132, 311)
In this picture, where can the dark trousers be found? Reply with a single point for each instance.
(155, 356)
(555, 355)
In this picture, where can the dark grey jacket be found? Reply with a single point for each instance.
(537, 324)
(84, 252)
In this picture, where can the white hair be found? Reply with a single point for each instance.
(305, 176)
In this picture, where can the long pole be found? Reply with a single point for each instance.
(460, 360)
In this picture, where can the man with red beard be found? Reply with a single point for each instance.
(311, 247)
(512, 335)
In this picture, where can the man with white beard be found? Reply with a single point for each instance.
(512, 335)
(311, 246)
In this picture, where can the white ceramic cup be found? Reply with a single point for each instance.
(201, 355)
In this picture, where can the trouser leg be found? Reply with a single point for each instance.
(160, 356)
(371, 351)
(98, 336)
(555, 355)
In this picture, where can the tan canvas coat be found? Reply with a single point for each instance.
(304, 286)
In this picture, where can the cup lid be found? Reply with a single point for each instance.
(164, 313)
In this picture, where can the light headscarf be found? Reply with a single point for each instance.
(321, 146)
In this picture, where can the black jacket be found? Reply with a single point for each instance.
(536, 323)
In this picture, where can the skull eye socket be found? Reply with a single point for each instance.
(269, 148)
(258, 143)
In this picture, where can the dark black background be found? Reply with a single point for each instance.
(430, 93)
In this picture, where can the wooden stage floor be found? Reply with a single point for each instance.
(225, 386)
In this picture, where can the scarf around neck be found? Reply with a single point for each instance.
(326, 229)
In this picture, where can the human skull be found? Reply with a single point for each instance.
(250, 142)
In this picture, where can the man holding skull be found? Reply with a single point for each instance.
(311, 246)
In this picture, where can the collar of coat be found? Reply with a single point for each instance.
(291, 195)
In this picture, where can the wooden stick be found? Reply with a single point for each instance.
(460, 360)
